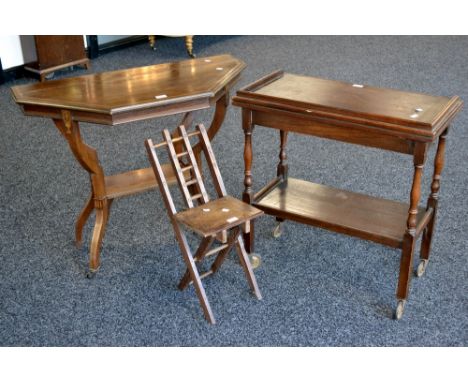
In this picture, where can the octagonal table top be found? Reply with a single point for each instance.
(133, 94)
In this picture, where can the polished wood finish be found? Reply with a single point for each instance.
(434, 197)
(389, 119)
(131, 94)
(367, 217)
(223, 214)
(57, 52)
(419, 117)
(124, 96)
(209, 219)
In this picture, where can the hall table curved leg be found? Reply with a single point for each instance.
(219, 114)
(104, 189)
(82, 219)
(87, 157)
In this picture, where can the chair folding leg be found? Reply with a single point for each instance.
(245, 262)
(223, 254)
(202, 249)
(194, 275)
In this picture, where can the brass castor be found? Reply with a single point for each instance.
(277, 231)
(400, 308)
(255, 260)
(91, 273)
(189, 46)
(421, 268)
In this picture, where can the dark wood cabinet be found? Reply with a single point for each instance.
(58, 52)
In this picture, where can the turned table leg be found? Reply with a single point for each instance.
(409, 239)
(432, 203)
(247, 195)
(281, 171)
(88, 159)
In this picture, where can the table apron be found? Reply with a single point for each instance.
(341, 131)
(118, 118)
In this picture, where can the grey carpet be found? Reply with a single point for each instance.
(319, 288)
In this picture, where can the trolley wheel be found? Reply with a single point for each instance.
(277, 231)
(255, 260)
(90, 274)
(421, 268)
(400, 308)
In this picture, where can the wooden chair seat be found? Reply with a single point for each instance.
(217, 215)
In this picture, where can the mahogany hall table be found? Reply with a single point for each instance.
(393, 120)
(121, 96)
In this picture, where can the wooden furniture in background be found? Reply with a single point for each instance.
(188, 44)
(57, 52)
(210, 219)
(393, 120)
(2, 75)
(122, 96)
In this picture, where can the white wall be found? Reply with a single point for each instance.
(16, 50)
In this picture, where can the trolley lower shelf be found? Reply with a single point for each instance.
(363, 216)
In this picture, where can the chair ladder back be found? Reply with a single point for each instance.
(194, 164)
(211, 160)
(178, 170)
(162, 182)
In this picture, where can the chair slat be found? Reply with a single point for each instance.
(178, 170)
(191, 182)
(196, 170)
(215, 250)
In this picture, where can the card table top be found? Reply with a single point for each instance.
(393, 110)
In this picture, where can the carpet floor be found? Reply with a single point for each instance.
(319, 288)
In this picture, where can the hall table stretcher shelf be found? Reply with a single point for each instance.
(122, 96)
(389, 119)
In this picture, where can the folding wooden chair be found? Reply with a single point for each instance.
(210, 219)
